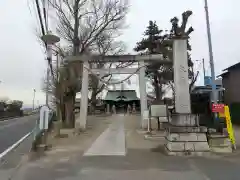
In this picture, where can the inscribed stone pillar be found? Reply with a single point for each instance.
(181, 84)
(81, 124)
(185, 137)
(143, 94)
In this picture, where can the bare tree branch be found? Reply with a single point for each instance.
(87, 25)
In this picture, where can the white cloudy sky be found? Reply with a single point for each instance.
(22, 60)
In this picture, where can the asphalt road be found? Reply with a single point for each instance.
(14, 129)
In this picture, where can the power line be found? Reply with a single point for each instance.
(40, 18)
(45, 14)
(43, 32)
(46, 46)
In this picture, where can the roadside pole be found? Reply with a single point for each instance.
(214, 97)
(204, 71)
(50, 40)
(47, 88)
(33, 103)
(213, 82)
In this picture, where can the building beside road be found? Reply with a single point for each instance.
(231, 83)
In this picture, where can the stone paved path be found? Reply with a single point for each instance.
(111, 142)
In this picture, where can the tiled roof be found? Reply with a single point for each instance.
(126, 95)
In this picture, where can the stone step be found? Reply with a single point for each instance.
(186, 153)
(219, 141)
(221, 149)
(190, 129)
(187, 146)
(187, 137)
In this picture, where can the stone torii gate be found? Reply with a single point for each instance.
(140, 59)
(180, 66)
(184, 136)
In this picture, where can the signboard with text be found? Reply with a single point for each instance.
(218, 108)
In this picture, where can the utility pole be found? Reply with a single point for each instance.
(57, 94)
(214, 97)
(214, 93)
(204, 71)
(34, 91)
(47, 47)
(38, 105)
(47, 89)
(50, 40)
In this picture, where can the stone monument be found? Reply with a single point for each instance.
(184, 135)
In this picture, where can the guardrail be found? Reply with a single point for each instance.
(14, 156)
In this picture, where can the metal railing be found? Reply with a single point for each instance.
(16, 155)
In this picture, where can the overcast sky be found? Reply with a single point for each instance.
(22, 60)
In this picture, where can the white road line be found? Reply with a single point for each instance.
(4, 153)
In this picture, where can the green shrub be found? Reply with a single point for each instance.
(235, 113)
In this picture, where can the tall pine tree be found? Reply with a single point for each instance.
(150, 44)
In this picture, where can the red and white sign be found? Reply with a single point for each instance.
(219, 108)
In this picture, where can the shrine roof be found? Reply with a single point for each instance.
(125, 95)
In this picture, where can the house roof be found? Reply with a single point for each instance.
(205, 89)
(126, 95)
(226, 71)
(237, 65)
(223, 74)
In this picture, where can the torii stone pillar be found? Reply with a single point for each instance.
(143, 94)
(80, 124)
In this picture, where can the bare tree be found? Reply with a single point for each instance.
(81, 23)
(105, 44)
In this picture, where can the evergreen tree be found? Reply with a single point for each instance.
(152, 34)
(157, 42)
(150, 44)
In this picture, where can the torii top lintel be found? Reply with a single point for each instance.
(118, 58)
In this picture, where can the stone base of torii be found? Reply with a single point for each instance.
(184, 136)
